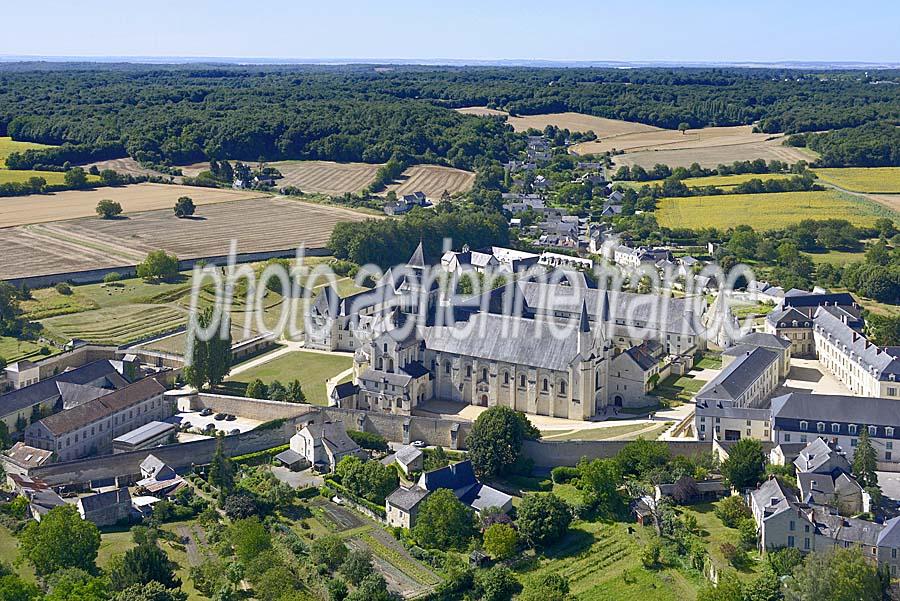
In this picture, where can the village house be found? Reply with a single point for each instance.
(20, 458)
(409, 458)
(402, 505)
(324, 444)
(106, 508)
(634, 372)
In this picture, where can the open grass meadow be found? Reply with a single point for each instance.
(719, 181)
(9, 176)
(766, 211)
(312, 369)
(884, 180)
(9, 146)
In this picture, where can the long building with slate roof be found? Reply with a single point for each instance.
(862, 366)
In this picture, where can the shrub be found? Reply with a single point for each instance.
(63, 289)
(369, 440)
(650, 554)
(563, 474)
(731, 510)
(111, 277)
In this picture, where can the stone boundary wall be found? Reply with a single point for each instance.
(124, 468)
(259, 409)
(548, 454)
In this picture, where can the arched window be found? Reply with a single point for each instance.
(484, 373)
(820, 427)
(545, 385)
(506, 378)
(873, 430)
(522, 381)
(468, 371)
(562, 387)
(447, 367)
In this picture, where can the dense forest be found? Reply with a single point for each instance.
(181, 114)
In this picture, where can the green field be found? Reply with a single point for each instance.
(602, 561)
(312, 369)
(714, 533)
(863, 179)
(12, 350)
(836, 257)
(766, 211)
(9, 146)
(116, 325)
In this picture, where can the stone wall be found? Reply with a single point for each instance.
(258, 409)
(125, 467)
(403, 429)
(553, 453)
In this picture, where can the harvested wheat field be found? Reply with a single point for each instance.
(258, 225)
(325, 177)
(126, 166)
(579, 122)
(30, 254)
(668, 139)
(72, 204)
(433, 180)
(713, 155)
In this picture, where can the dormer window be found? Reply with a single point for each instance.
(873, 430)
(835, 428)
(851, 429)
(889, 431)
(804, 425)
(820, 427)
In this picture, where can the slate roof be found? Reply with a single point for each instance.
(773, 497)
(785, 318)
(407, 498)
(407, 454)
(890, 534)
(480, 496)
(802, 298)
(734, 380)
(770, 341)
(817, 454)
(26, 456)
(418, 257)
(454, 476)
(851, 530)
(154, 467)
(820, 489)
(104, 500)
(49, 388)
(505, 339)
(333, 435)
(345, 390)
(289, 457)
(646, 354)
(81, 415)
(837, 408)
(881, 364)
(713, 408)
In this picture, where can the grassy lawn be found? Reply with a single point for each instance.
(709, 361)
(652, 432)
(836, 257)
(766, 211)
(678, 389)
(115, 325)
(602, 561)
(312, 369)
(863, 179)
(12, 349)
(9, 551)
(714, 533)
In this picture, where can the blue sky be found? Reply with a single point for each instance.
(686, 30)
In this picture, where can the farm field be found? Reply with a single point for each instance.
(126, 166)
(72, 204)
(720, 181)
(433, 180)
(836, 257)
(765, 211)
(261, 224)
(325, 177)
(884, 180)
(312, 369)
(7, 176)
(9, 146)
(575, 122)
(711, 152)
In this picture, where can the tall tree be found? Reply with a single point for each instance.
(141, 564)
(60, 540)
(838, 575)
(221, 471)
(865, 460)
(443, 522)
(543, 519)
(745, 465)
(495, 442)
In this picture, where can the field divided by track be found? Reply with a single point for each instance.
(433, 180)
(574, 122)
(766, 211)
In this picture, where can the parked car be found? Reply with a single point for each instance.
(418, 444)
(233, 432)
(219, 416)
(210, 427)
(185, 425)
(206, 411)
(229, 417)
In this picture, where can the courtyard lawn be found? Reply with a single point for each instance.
(766, 211)
(602, 561)
(312, 369)
(677, 389)
(709, 361)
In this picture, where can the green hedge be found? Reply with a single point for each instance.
(334, 485)
(368, 440)
(259, 457)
